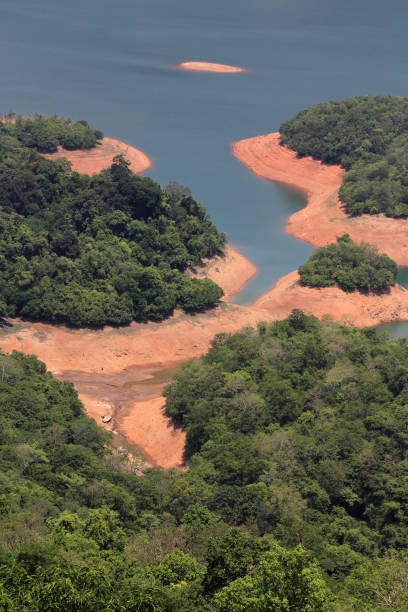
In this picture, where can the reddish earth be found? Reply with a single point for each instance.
(323, 218)
(353, 308)
(209, 67)
(100, 157)
(231, 271)
(120, 372)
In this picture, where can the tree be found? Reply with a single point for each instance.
(229, 557)
(284, 581)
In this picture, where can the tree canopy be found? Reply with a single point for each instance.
(295, 497)
(349, 266)
(45, 134)
(90, 251)
(366, 135)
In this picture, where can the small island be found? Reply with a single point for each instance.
(209, 67)
(350, 266)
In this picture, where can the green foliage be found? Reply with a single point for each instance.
(45, 134)
(90, 251)
(378, 585)
(368, 136)
(300, 428)
(229, 557)
(298, 441)
(284, 581)
(349, 266)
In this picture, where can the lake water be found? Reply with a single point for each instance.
(112, 64)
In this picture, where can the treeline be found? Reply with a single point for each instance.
(90, 251)
(45, 134)
(297, 442)
(79, 530)
(350, 266)
(368, 136)
(298, 430)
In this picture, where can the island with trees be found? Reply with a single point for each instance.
(350, 266)
(94, 250)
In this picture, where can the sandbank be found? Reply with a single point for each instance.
(209, 67)
(323, 217)
(99, 158)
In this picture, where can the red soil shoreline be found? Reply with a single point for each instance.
(209, 67)
(120, 372)
(319, 222)
(323, 217)
(353, 308)
(100, 157)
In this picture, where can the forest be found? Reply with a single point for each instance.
(46, 134)
(95, 250)
(350, 266)
(366, 135)
(295, 498)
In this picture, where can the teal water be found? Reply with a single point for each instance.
(112, 64)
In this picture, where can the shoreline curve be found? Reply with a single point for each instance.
(121, 372)
(323, 217)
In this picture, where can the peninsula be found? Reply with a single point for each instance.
(324, 217)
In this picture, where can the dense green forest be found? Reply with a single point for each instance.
(295, 498)
(368, 136)
(350, 266)
(90, 251)
(45, 134)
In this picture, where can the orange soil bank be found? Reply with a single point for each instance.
(100, 157)
(353, 308)
(231, 272)
(120, 372)
(323, 218)
(209, 67)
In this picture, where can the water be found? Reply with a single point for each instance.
(112, 64)
(399, 329)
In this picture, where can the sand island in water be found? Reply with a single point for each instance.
(209, 67)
